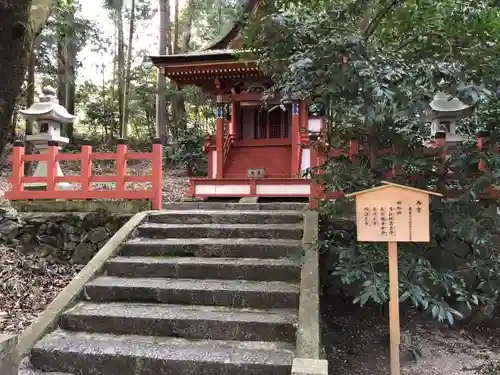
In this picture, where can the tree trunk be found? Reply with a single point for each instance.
(179, 114)
(61, 69)
(121, 65)
(175, 42)
(187, 33)
(15, 42)
(30, 84)
(30, 99)
(112, 99)
(164, 47)
(128, 72)
(71, 56)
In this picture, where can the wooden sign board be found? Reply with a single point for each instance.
(393, 213)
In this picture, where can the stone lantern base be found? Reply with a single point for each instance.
(41, 171)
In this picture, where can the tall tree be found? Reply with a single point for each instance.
(66, 56)
(165, 47)
(374, 66)
(124, 132)
(15, 42)
(116, 8)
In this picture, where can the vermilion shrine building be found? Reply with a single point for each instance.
(260, 148)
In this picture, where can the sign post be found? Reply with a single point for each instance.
(393, 213)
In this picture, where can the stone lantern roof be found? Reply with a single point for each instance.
(48, 108)
(446, 103)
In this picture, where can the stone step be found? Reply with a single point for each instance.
(26, 368)
(193, 322)
(213, 247)
(235, 293)
(205, 268)
(283, 231)
(98, 354)
(226, 217)
(286, 206)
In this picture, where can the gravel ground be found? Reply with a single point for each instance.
(27, 284)
(357, 343)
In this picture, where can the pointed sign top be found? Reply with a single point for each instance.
(391, 184)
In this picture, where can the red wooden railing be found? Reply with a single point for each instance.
(85, 179)
(355, 151)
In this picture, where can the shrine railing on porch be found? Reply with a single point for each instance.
(86, 178)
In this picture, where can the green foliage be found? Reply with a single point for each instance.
(212, 18)
(81, 32)
(374, 67)
(188, 153)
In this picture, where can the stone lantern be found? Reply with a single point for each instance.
(445, 112)
(49, 115)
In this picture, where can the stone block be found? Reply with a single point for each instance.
(9, 356)
(305, 366)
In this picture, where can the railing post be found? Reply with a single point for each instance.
(121, 165)
(220, 139)
(191, 189)
(86, 166)
(52, 163)
(17, 168)
(482, 140)
(157, 174)
(353, 150)
(294, 136)
(397, 168)
(315, 185)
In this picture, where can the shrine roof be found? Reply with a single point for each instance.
(220, 48)
(199, 56)
(393, 185)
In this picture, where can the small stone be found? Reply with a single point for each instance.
(9, 229)
(101, 244)
(67, 228)
(50, 240)
(83, 253)
(70, 246)
(94, 220)
(45, 250)
(28, 242)
(97, 235)
(11, 215)
(74, 237)
(113, 226)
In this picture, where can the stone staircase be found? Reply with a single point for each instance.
(197, 292)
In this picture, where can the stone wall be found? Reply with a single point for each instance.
(62, 236)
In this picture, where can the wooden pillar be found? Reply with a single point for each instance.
(157, 174)
(220, 138)
(303, 132)
(295, 168)
(234, 119)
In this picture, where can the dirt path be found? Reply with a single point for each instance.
(357, 343)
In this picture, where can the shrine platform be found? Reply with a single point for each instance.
(244, 187)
